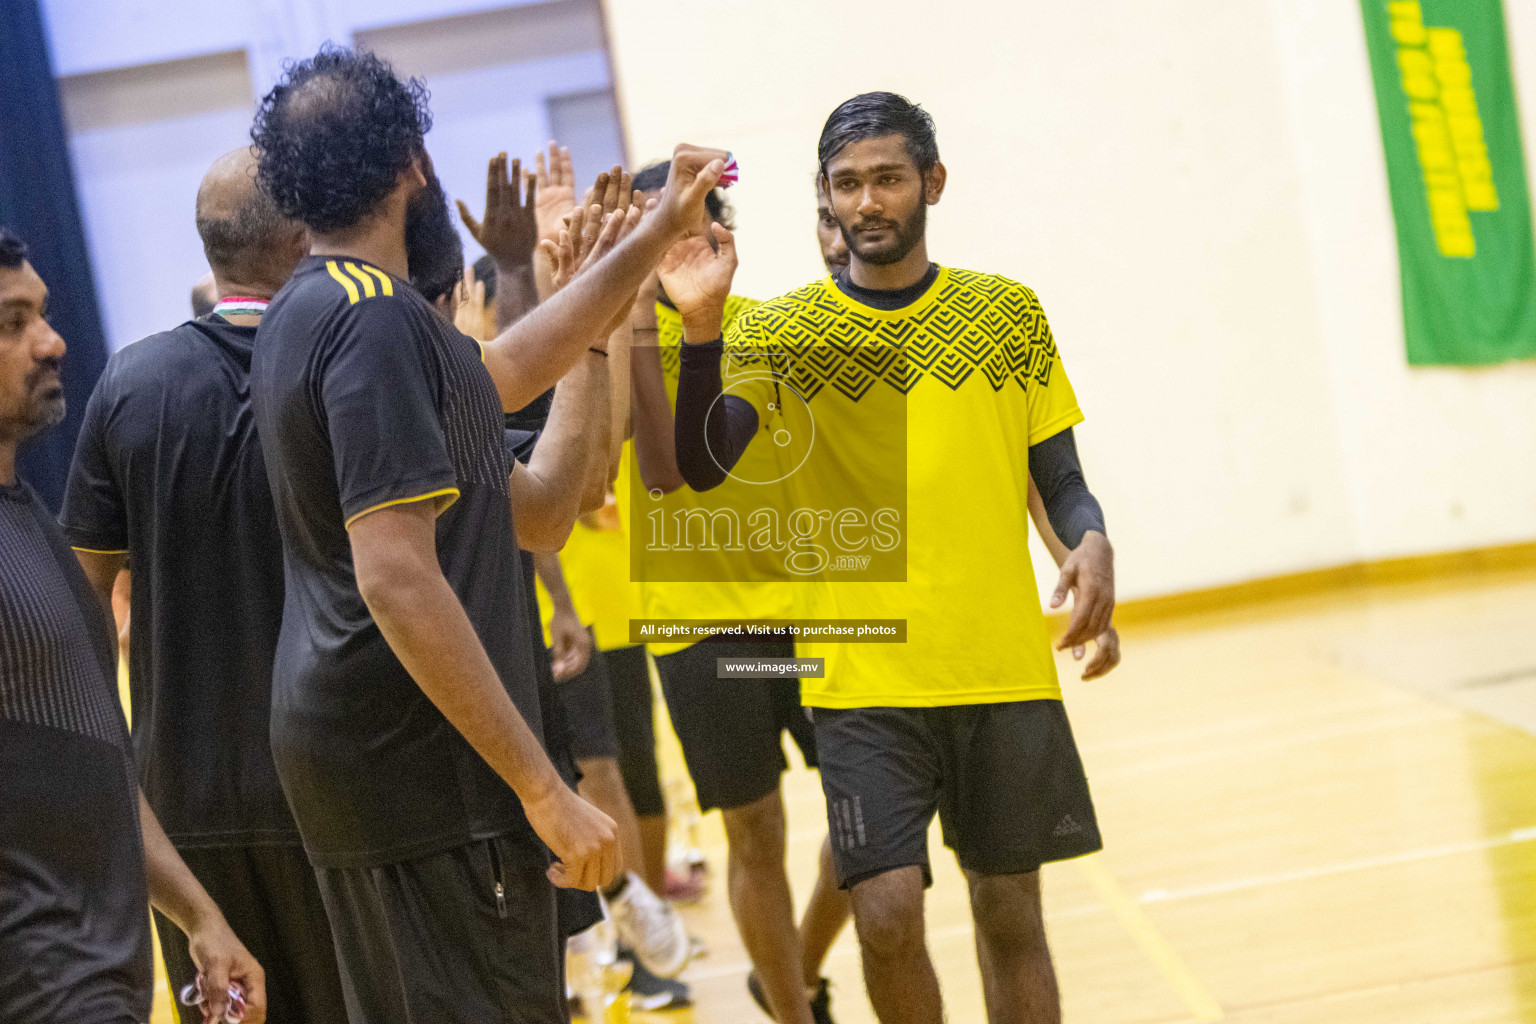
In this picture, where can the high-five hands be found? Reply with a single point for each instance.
(697, 277)
(588, 232)
(555, 179)
(510, 229)
(694, 173)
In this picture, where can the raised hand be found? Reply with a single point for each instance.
(694, 173)
(613, 190)
(586, 238)
(555, 180)
(469, 305)
(510, 229)
(697, 277)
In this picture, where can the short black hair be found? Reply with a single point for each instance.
(653, 178)
(873, 114)
(334, 134)
(13, 251)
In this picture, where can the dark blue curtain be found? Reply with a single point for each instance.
(37, 201)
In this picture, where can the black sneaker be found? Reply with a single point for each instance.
(648, 992)
(821, 1002)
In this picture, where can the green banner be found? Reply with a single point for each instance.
(1457, 176)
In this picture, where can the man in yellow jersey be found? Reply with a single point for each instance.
(731, 732)
(834, 251)
(964, 719)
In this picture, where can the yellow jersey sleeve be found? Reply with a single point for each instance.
(1047, 391)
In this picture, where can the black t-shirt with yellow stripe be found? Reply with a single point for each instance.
(365, 398)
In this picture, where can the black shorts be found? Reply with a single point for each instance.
(1005, 779)
(634, 724)
(269, 897)
(730, 728)
(427, 939)
(588, 703)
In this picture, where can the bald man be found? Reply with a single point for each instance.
(168, 479)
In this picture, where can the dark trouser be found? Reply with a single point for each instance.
(269, 897)
(634, 724)
(429, 940)
(1005, 780)
(587, 704)
(731, 729)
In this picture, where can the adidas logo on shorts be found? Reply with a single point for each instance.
(1067, 827)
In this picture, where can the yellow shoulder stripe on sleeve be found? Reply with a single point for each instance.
(368, 288)
(98, 551)
(385, 284)
(343, 280)
(444, 498)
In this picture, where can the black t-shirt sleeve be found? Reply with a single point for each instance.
(379, 391)
(94, 515)
(520, 443)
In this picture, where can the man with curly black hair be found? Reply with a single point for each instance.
(405, 704)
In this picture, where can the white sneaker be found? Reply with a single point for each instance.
(650, 926)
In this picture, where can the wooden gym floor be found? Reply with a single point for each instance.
(1316, 810)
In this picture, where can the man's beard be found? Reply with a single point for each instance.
(433, 251)
(905, 238)
(42, 410)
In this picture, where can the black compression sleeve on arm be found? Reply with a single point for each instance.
(1058, 475)
(709, 437)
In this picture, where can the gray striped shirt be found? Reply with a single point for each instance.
(50, 673)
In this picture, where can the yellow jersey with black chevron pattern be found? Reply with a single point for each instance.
(718, 590)
(970, 375)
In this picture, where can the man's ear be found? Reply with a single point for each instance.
(933, 183)
(415, 175)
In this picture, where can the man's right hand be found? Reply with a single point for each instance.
(555, 183)
(585, 840)
(693, 175)
(697, 277)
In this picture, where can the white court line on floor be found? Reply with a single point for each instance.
(1440, 714)
(1519, 835)
(847, 946)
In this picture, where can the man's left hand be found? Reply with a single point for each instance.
(1089, 575)
(1106, 655)
(221, 960)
